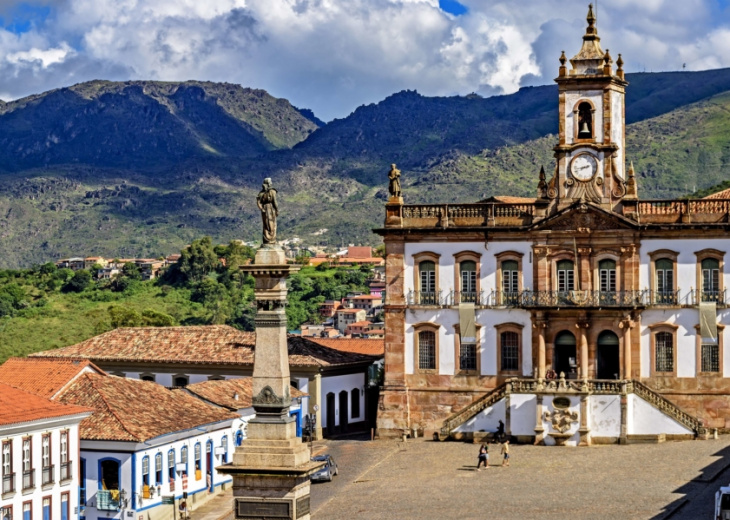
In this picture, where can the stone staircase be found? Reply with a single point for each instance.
(573, 387)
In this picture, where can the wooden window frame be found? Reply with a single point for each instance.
(698, 352)
(424, 257)
(466, 256)
(423, 327)
(655, 329)
(506, 256)
(9, 443)
(554, 264)
(509, 327)
(457, 352)
(61, 501)
(9, 508)
(715, 254)
(50, 506)
(596, 261)
(655, 256)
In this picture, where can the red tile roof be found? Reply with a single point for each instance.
(724, 194)
(350, 311)
(223, 392)
(508, 199)
(368, 347)
(43, 376)
(135, 410)
(367, 297)
(210, 344)
(18, 406)
(363, 323)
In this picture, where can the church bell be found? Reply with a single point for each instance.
(584, 132)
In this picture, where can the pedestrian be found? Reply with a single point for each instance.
(505, 452)
(483, 457)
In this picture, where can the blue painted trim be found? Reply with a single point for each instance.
(134, 480)
(297, 414)
(99, 472)
(171, 450)
(149, 469)
(82, 485)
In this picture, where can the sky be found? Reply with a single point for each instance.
(332, 56)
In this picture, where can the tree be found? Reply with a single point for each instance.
(303, 258)
(78, 282)
(197, 260)
(131, 271)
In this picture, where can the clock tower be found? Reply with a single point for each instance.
(590, 155)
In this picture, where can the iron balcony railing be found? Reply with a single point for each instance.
(425, 298)
(9, 483)
(582, 299)
(107, 500)
(66, 471)
(28, 479)
(47, 475)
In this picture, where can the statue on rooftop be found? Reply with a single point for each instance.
(266, 201)
(394, 184)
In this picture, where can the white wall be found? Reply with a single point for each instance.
(547, 425)
(337, 384)
(523, 411)
(646, 420)
(571, 102)
(605, 415)
(487, 420)
(36, 429)
(617, 130)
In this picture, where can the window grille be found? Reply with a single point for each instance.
(710, 358)
(510, 350)
(664, 346)
(426, 350)
(468, 356)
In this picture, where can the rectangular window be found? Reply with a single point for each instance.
(468, 356)
(65, 463)
(426, 350)
(82, 484)
(46, 466)
(145, 471)
(510, 351)
(664, 346)
(8, 475)
(171, 465)
(46, 508)
(198, 466)
(65, 506)
(6, 512)
(710, 357)
(27, 511)
(184, 454)
(608, 280)
(158, 469)
(355, 402)
(428, 281)
(28, 480)
(566, 280)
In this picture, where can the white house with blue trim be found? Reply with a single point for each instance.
(147, 450)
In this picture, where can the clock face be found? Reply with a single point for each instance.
(584, 167)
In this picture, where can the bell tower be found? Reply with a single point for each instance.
(590, 155)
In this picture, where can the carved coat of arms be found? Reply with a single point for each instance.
(561, 420)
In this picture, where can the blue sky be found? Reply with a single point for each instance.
(334, 55)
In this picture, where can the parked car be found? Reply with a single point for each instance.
(328, 470)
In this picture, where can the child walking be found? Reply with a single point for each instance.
(483, 457)
(505, 452)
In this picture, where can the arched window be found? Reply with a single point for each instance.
(239, 437)
(585, 121)
(468, 276)
(148, 377)
(664, 352)
(180, 381)
(158, 469)
(426, 350)
(146, 473)
(224, 444)
(171, 467)
(664, 268)
(198, 462)
(710, 280)
(184, 457)
(107, 497)
(565, 276)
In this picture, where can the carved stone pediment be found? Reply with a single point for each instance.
(584, 218)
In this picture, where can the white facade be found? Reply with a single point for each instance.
(145, 473)
(40, 461)
(336, 386)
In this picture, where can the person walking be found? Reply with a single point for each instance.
(505, 452)
(483, 457)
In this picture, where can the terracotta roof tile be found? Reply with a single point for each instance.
(366, 297)
(363, 323)
(211, 344)
(724, 194)
(18, 406)
(369, 347)
(508, 199)
(135, 410)
(43, 376)
(223, 392)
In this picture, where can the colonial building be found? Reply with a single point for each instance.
(488, 304)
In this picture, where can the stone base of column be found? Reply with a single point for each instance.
(539, 437)
(585, 437)
(392, 412)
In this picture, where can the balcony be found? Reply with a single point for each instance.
(47, 475)
(9, 483)
(66, 471)
(433, 298)
(598, 299)
(28, 479)
(107, 500)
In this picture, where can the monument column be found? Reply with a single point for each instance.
(627, 325)
(540, 325)
(272, 466)
(583, 325)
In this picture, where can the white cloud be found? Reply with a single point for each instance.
(333, 55)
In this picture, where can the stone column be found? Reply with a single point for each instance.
(627, 325)
(540, 325)
(624, 434)
(315, 398)
(272, 466)
(539, 428)
(582, 325)
(583, 430)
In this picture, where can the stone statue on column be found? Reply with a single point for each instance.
(266, 201)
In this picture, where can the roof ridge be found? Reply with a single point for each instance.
(110, 408)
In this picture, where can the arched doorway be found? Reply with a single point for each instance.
(330, 413)
(564, 353)
(607, 356)
(344, 396)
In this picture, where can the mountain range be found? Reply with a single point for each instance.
(141, 168)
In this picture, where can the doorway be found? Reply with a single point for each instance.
(564, 354)
(607, 356)
(330, 413)
(344, 402)
(209, 466)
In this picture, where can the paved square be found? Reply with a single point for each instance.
(422, 479)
